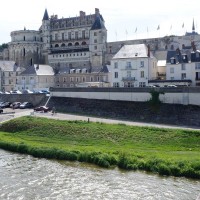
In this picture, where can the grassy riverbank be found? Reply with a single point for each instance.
(164, 151)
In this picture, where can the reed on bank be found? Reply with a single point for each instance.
(163, 151)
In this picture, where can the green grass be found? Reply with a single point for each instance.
(163, 151)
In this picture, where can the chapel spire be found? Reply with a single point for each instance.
(193, 27)
(46, 16)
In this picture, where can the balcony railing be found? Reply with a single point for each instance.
(70, 47)
(128, 79)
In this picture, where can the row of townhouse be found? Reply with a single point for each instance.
(136, 66)
(37, 77)
(131, 66)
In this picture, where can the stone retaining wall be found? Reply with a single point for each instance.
(132, 111)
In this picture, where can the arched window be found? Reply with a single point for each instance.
(62, 45)
(24, 38)
(56, 45)
(76, 44)
(24, 52)
(83, 43)
(69, 44)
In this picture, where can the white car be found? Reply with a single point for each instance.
(171, 86)
(15, 92)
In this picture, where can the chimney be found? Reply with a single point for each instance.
(193, 46)
(96, 11)
(82, 14)
(148, 54)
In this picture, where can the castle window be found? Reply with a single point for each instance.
(95, 33)
(63, 45)
(69, 44)
(56, 45)
(95, 41)
(83, 43)
(63, 36)
(76, 35)
(24, 38)
(76, 44)
(83, 34)
(56, 36)
(69, 35)
(24, 52)
(95, 47)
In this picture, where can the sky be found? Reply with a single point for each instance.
(124, 20)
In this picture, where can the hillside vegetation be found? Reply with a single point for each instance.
(163, 151)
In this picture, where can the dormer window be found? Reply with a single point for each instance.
(173, 60)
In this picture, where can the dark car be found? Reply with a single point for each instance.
(5, 104)
(26, 105)
(15, 105)
(42, 109)
(1, 110)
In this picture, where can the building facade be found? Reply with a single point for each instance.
(133, 66)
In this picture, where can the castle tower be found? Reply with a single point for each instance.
(45, 36)
(98, 39)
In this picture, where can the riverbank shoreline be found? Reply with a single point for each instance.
(163, 151)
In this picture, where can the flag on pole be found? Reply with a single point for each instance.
(171, 27)
(136, 30)
(158, 27)
(147, 29)
(183, 25)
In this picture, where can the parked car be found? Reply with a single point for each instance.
(26, 105)
(1, 110)
(15, 92)
(171, 86)
(42, 109)
(15, 105)
(44, 91)
(5, 104)
(27, 92)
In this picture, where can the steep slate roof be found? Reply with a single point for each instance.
(161, 55)
(9, 66)
(132, 51)
(178, 56)
(98, 23)
(46, 16)
(41, 70)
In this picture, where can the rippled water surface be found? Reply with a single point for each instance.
(26, 177)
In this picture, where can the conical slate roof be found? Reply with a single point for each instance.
(46, 16)
(98, 24)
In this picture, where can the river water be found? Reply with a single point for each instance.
(23, 177)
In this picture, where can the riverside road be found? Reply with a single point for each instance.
(10, 114)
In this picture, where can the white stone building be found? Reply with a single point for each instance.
(36, 77)
(133, 66)
(184, 68)
(9, 71)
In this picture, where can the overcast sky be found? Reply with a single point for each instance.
(124, 20)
